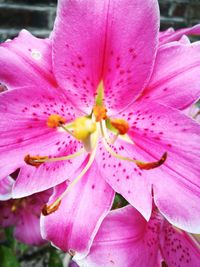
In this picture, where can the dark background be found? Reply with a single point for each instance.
(38, 16)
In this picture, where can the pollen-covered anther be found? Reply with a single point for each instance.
(17, 204)
(83, 127)
(14, 208)
(35, 160)
(46, 210)
(100, 113)
(121, 125)
(152, 165)
(55, 120)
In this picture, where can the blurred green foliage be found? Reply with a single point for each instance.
(16, 254)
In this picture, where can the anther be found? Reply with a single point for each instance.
(55, 120)
(14, 208)
(100, 113)
(46, 210)
(152, 165)
(34, 160)
(121, 125)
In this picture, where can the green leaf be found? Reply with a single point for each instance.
(54, 258)
(9, 236)
(119, 202)
(22, 247)
(8, 258)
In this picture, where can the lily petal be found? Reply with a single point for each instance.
(24, 129)
(73, 226)
(126, 178)
(7, 217)
(78, 42)
(26, 60)
(27, 226)
(6, 188)
(32, 180)
(174, 80)
(156, 129)
(178, 202)
(166, 32)
(130, 49)
(179, 248)
(27, 229)
(111, 40)
(124, 239)
(176, 35)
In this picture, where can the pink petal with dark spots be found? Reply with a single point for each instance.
(24, 131)
(25, 61)
(74, 224)
(125, 177)
(130, 49)
(78, 46)
(178, 248)
(174, 80)
(111, 40)
(124, 239)
(156, 129)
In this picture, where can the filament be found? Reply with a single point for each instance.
(56, 203)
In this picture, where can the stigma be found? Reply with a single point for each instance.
(83, 127)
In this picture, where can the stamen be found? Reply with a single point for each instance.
(114, 138)
(121, 125)
(55, 120)
(124, 137)
(65, 127)
(54, 206)
(46, 210)
(14, 208)
(37, 160)
(17, 204)
(152, 165)
(140, 164)
(100, 113)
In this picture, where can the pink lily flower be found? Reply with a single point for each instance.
(93, 111)
(126, 239)
(171, 35)
(6, 188)
(23, 214)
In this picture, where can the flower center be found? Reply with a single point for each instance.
(87, 130)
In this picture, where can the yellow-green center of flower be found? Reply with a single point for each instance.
(83, 127)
